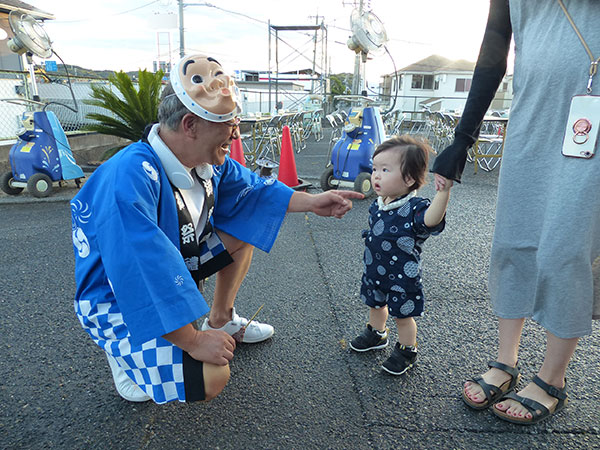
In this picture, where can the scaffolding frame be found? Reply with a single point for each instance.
(320, 36)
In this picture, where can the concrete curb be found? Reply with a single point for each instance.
(65, 194)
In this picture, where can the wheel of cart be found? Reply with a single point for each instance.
(362, 184)
(7, 183)
(327, 179)
(40, 185)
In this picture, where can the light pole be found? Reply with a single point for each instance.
(181, 40)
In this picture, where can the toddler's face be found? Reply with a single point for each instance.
(387, 179)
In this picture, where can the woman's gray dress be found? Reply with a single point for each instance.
(547, 233)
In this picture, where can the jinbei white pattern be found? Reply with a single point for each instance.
(150, 171)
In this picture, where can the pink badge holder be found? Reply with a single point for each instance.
(581, 133)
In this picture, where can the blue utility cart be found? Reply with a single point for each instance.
(352, 154)
(40, 157)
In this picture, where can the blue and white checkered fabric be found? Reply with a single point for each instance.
(156, 366)
(210, 248)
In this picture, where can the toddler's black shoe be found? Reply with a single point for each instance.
(400, 360)
(370, 339)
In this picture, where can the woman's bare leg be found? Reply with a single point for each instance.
(509, 337)
(558, 354)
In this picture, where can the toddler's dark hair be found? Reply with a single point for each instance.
(413, 155)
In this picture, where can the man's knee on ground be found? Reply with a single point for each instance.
(215, 380)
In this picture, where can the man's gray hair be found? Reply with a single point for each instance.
(170, 109)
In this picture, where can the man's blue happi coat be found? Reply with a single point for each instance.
(133, 285)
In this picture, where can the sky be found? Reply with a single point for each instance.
(129, 34)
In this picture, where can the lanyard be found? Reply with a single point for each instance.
(593, 62)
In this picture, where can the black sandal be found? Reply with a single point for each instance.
(538, 411)
(493, 393)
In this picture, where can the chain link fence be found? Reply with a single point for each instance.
(13, 89)
(55, 93)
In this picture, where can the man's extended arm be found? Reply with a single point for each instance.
(329, 203)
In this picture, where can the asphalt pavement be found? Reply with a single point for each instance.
(302, 389)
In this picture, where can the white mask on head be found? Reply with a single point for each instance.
(203, 87)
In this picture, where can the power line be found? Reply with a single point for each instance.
(109, 15)
(389, 39)
(210, 5)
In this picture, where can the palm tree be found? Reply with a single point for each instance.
(131, 113)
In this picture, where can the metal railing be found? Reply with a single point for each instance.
(54, 92)
(437, 128)
(261, 137)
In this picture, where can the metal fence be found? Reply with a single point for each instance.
(13, 85)
(262, 102)
(54, 92)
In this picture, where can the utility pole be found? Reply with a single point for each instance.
(269, 70)
(312, 75)
(181, 40)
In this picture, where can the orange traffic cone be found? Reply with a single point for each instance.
(237, 151)
(287, 165)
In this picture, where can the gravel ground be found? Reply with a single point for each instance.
(301, 389)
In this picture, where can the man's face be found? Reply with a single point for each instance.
(205, 82)
(214, 140)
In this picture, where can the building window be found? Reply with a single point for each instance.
(396, 86)
(422, 82)
(463, 85)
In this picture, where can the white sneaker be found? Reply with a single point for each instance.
(255, 332)
(125, 386)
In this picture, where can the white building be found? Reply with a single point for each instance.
(438, 84)
(286, 91)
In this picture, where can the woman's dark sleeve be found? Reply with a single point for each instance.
(489, 71)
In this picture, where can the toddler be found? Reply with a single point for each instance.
(399, 224)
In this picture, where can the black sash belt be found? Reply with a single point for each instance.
(188, 245)
(209, 205)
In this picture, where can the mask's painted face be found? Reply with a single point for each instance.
(204, 88)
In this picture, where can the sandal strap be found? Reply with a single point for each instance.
(512, 371)
(532, 406)
(559, 394)
(492, 393)
(489, 390)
